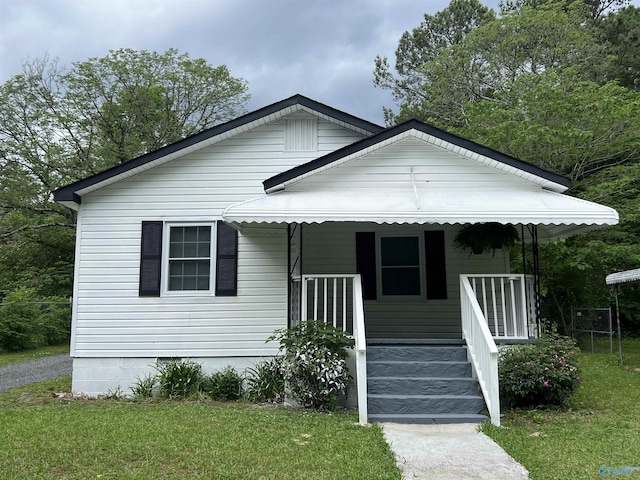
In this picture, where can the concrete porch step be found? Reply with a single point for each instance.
(425, 404)
(398, 368)
(428, 418)
(422, 381)
(422, 385)
(416, 353)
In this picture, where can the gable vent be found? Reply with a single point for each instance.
(301, 134)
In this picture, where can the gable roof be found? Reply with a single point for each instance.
(70, 195)
(431, 134)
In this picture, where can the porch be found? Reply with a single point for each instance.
(493, 308)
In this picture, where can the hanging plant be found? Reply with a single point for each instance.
(486, 237)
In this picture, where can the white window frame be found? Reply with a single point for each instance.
(421, 259)
(166, 235)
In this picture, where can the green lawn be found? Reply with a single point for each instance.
(601, 427)
(50, 438)
(10, 358)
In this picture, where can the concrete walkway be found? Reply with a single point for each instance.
(454, 452)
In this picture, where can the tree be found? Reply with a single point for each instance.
(561, 123)
(620, 31)
(58, 126)
(538, 83)
(594, 8)
(418, 48)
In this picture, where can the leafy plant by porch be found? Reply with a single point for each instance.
(265, 382)
(541, 374)
(486, 237)
(597, 428)
(314, 363)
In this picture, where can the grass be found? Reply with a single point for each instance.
(63, 438)
(601, 426)
(10, 358)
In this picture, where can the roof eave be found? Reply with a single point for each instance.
(73, 191)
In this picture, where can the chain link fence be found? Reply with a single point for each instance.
(593, 329)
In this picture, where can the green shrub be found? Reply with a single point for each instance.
(225, 384)
(19, 321)
(541, 374)
(179, 379)
(144, 387)
(265, 382)
(55, 320)
(314, 363)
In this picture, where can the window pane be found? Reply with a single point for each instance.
(203, 283)
(189, 268)
(401, 281)
(190, 249)
(189, 274)
(175, 283)
(177, 235)
(204, 234)
(190, 242)
(175, 250)
(397, 251)
(189, 283)
(190, 234)
(175, 269)
(203, 250)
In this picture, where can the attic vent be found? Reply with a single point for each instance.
(301, 134)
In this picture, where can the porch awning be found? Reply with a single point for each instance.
(557, 215)
(623, 277)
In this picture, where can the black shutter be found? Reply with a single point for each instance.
(150, 259)
(435, 265)
(366, 263)
(226, 260)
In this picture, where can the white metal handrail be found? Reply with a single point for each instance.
(482, 348)
(506, 302)
(327, 298)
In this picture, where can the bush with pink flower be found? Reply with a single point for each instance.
(541, 374)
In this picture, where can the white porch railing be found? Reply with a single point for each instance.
(337, 300)
(507, 304)
(482, 348)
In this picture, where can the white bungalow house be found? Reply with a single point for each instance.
(200, 250)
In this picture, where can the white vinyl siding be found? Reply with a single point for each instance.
(112, 320)
(391, 166)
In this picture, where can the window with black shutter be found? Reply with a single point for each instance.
(181, 258)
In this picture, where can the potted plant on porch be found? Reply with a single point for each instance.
(486, 237)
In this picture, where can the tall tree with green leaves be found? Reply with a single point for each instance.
(57, 126)
(536, 83)
(620, 32)
(418, 49)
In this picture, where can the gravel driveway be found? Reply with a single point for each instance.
(34, 371)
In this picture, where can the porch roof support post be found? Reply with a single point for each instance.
(536, 274)
(618, 322)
